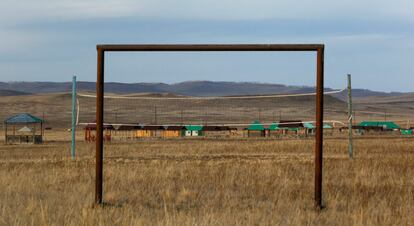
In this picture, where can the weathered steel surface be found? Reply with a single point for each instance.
(319, 48)
(99, 127)
(319, 127)
(213, 47)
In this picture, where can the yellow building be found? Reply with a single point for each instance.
(150, 131)
(173, 131)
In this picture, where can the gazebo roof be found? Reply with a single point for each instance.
(23, 118)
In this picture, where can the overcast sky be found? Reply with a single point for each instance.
(53, 40)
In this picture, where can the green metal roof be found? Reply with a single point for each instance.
(387, 125)
(23, 118)
(194, 127)
(327, 126)
(256, 126)
(309, 125)
(274, 126)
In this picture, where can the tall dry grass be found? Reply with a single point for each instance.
(208, 182)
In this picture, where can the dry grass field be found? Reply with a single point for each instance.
(208, 182)
(205, 181)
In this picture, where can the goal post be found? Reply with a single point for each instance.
(318, 48)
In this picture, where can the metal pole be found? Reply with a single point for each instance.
(350, 146)
(181, 117)
(155, 114)
(354, 118)
(319, 127)
(99, 126)
(216, 47)
(41, 126)
(41, 132)
(260, 114)
(34, 133)
(5, 132)
(73, 150)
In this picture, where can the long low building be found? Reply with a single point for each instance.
(295, 128)
(381, 125)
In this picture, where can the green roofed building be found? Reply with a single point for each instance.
(23, 128)
(256, 126)
(310, 127)
(193, 130)
(379, 124)
(256, 129)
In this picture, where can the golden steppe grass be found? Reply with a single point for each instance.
(208, 182)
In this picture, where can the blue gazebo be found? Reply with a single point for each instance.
(23, 128)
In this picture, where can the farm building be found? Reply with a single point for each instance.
(234, 132)
(256, 129)
(310, 128)
(193, 130)
(150, 131)
(173, 131)
(290, 127)
(274, 130)
(216, 131)
(29, 129)
(406, 132)
(125, 132)
(383, 126)
(90, 132)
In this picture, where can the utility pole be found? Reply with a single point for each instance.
(260, 114)
(155, 114)
(42, 127)
(350, 147)
(205, 119)
(385, 115)
(354, 118)
(181, 117)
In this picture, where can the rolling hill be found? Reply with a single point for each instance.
(190, 88)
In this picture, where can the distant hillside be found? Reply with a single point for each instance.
(191, 88)
(361, 93)
(37, 87)
(12, 93)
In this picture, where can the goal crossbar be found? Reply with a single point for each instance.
(101, 49)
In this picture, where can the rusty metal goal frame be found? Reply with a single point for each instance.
(318, 48)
